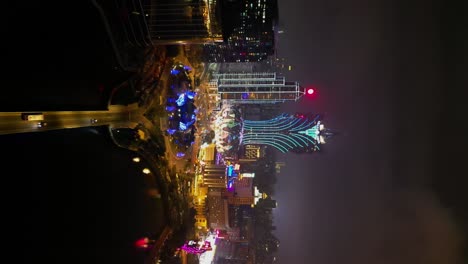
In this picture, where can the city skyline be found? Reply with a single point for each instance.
(388, 189)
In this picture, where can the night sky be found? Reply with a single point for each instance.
(390, 187)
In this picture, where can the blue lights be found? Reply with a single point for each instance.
(230, 170)
(190, 94)
(170, 108)
(180, 108)
(182, 126)
(181, 100)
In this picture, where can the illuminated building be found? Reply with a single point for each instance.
(174, 22)
(255, 88)
(252, 152)
(278, 166)
(242, 193)
(207, 153)
(260, 66)
(248, 32)
(200, 221)
(260, 111)
(300, 133)
(303, 133)
(214, 176)
(217, 210)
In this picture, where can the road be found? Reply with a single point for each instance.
(155, 250)
(116, 116)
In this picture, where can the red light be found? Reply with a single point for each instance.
(142, 242)
(310, 91)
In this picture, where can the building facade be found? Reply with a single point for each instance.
(248, 27)
(255, 88)
(181, 22)
(287, 132)
(214, 176)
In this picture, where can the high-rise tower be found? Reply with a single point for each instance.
(300, 133)
(255, 88)
(297, 133)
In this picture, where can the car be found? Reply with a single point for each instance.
(41, 124)
(93, 120)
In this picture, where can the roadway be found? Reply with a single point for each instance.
(154, 252)
(116, 116)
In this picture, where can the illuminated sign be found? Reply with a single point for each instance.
(248, 175)
(230, 170)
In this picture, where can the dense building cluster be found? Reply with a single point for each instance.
(236, 168)
(248, 32)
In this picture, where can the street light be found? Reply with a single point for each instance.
(136, 159)
(146, 171)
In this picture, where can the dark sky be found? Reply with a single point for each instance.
(389, 188)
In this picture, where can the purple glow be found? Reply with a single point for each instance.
(170, 108)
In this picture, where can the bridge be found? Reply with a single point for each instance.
(118, 116)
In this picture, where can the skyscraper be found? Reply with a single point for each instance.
(300, 133)
(248, 31)
(297, 133)
(255, 88)
(183, 22)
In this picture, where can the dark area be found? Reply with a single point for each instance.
(56, 59)
(450, 167)
(125, 93)
(67, 208)
(79, 198)
(172, 51)
(229, 12)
